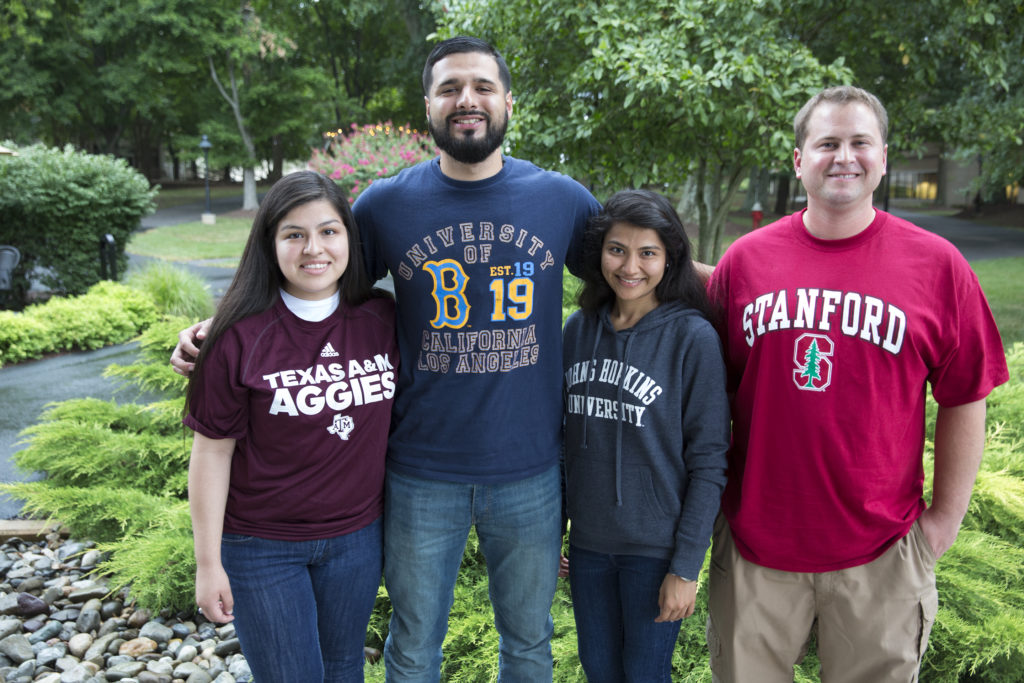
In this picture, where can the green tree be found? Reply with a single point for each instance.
(652, 92)
(369, 52)
(132, 77)
(105, 76)
(17, 16)
(948, 72)
(243, 43)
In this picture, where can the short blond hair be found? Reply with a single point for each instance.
(843, 94)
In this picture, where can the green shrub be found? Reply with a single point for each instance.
(88, 442)
(22, 338)
(74, 326)
(152, 372)
(109, 313)
(571, 286)
(176, 291)
(56, 205)
(156, 562)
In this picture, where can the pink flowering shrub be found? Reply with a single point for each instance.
(356, 158)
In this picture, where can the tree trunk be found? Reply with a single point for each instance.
(250, 202)
(276, 159)
(782, 194)
(714, 199)
(757, 187)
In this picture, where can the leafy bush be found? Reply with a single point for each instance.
(109, 313)
(571, 286)
(56, 205)
(151, 372)
(23, 337)
(86, 442)
(354, 160)
(176, 291)
(156, 562)
(117, 474)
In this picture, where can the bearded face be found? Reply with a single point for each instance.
(466, 146)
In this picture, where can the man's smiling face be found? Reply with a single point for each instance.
(467, 107)
(843, 156)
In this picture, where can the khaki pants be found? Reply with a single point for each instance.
(873, 621)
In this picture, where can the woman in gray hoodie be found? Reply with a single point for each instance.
(646, 433)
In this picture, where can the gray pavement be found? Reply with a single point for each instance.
(188, 213)
(975, 241)
(26, 388)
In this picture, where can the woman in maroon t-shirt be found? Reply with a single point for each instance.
(290, 402)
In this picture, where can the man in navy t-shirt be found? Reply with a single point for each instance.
(476, 242)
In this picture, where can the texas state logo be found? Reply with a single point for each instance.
(342, 426)
(812, 355)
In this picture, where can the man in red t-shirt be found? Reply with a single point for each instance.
(835, 319)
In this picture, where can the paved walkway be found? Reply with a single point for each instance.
(26, 388)
(975, 241)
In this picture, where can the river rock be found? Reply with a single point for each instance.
(139, 618)
(91, 558)
(124, 670)
(47, 656)
(187, 653)
(199, 676)
(137, 647)
(88, 621)
(150, 677)
(32, 584)
(85, 593)
(59, 624)
(156, 631)
(51, 629)
(227, 647)
(111, 608)
(99, 646)
(17, 648)
(80, 673)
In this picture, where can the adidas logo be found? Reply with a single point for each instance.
(328, 351)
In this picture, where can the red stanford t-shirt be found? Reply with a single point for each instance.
(309, 405)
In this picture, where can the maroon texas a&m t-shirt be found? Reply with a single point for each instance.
(309, 405)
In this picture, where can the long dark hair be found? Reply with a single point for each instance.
(644, 209)
(254, 288)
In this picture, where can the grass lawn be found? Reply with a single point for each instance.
(221, 242)
(1003, 283)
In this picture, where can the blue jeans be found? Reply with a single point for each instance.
(427, 523)
(615, 602)
(301, 607)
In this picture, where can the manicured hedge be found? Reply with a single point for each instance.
(109, 313)
(56, 205)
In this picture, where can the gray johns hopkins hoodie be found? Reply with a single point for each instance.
(646, 433)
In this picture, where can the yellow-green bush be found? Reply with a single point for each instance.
(108, 313)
